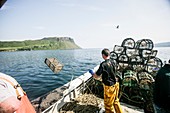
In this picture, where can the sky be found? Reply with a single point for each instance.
(91, 23)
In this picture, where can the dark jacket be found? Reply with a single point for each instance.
(162, 87)
(107, 70)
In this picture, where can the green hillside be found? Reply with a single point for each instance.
(49, 43)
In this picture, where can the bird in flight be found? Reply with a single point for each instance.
(117, 26)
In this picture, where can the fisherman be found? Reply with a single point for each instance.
(162, 90)
(12, 98)
(111, 87)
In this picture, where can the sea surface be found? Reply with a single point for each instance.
(37, 79)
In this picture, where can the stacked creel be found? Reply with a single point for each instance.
(137, 65)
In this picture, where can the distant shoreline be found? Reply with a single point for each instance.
(14, 50)
(49, 43)
(163, 44)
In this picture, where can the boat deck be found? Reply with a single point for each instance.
(89, 103)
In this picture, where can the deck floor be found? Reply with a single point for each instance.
(89, 103)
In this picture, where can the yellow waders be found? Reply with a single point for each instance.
(111, 100)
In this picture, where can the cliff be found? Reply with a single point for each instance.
(163, 44)
(47, 43)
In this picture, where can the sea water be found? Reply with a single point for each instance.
(36, 78)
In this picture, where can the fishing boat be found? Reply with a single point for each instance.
(66, 95)
(136, 67)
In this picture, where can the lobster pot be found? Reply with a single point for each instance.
(128, 73)
(137, 60)
(143, 75)
(129, 77)
(115, 64)
(144, 44)
(128, 43)
(145, 53)
(117, 67)
(145, 84)
(123, 58)
(53, 64)
(131, 52)
(113, 56)
(130, 81)
(153, 53)
(123, 61)
(137, 99)
(153, 65)
(118, 49)
(122, 66)
(138, 67)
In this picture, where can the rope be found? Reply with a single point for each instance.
(131, 99)
(92, 92)
(15, 87)
(127, 97)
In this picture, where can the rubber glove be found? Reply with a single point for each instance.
(91, 72)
